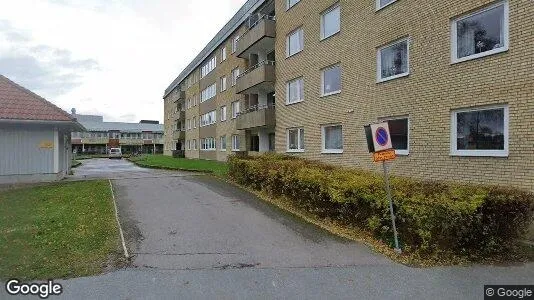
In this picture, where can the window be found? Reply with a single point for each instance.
(208, 144)
(189, 104)
(188, 144)
(208, 67)
(194, 122)
(223, 113)
(332, 139)
(223, 83)
(480, 132)
(223, 54)
(295, 91)
(208, 119)
(208, 93)
(383, 3)
(399, 129)
(291, 3)
(295, 42)
(480, 34)
(331, 80)
(235, 74)
(223, 143)
(295, 140)
(235, 109)
(393, 61)
(234, 44)
(235, 142)
(194, 144)
(331, 21)
(188, 124)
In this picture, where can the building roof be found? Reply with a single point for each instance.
(234, 23)
(122, 127)
(18, 103)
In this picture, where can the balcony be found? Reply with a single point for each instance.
(180, 95)
(259, 37)
(178, 135)
(261, 77)
(178, 115)
(257, 116)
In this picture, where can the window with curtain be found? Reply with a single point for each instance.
(482, 33)
(331, 21)
(332, 139)
(235, 143)
(393, 61)
(331, 80)
(295, 91)
(295, 42)
(223, 143)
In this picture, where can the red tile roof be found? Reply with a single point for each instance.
(18, 103)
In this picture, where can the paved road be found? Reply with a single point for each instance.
(197, 237)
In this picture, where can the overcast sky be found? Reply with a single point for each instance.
(107, 57)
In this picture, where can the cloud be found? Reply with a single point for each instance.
(46, 70)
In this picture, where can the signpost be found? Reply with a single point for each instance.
(379, 143)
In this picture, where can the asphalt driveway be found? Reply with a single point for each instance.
(193, 236)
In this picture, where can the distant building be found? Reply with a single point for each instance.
(34, 136)
(143, 137)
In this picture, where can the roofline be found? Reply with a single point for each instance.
(75, 125)
(234, 23)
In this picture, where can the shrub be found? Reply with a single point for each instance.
(431, 216)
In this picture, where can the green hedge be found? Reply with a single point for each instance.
(431, 216)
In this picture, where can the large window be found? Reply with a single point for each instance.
(295, 140)
(383, 3)
(331, 80)
(235, 142)
(479, 34)
(295, 42)
(399, 129)
(208, 67)
(208, 144)
(208, 119)
(223, 113)
(291, 3)
(208, 93)
(393, 61)
(223, 143)
(295, 91)
(235, 74)
(332, 139)
(480, 132)
(235, 109)
(331, 21)
(223, 83)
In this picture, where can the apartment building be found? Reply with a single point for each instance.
(452, 78)
(143, 137)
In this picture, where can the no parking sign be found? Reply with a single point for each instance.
(381, 137)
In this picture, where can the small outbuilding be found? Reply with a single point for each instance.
(35, 136)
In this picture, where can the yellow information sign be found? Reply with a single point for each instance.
(384, 155)
(46, 145)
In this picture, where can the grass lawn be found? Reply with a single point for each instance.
(167, 162)
(59, 230)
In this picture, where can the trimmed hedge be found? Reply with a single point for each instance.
(432, 216)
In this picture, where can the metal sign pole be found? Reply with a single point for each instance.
(388, 189)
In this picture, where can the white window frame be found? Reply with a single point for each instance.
(301, 148)
(222, 149)
(323, 140)
(223, 54)
(223, 83)
(194, 144)
(379, 61)
(288, 89)
(235, 113)
(379, 7)
(223, 113)
(234, 44)
(288, 48)
(234, 138)
(194, 122)
(208, 93)
(506, 32)
(480, 153)
(235, 74)
(393, 118)
(322, 80)
(288, 4)
(208, 144)
(327, 11)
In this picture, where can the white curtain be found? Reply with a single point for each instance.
(394, 60)
(333, 137)
(466, 39)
